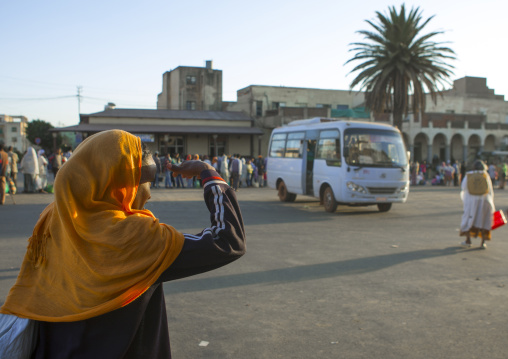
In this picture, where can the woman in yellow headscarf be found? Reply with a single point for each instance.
(94, 265)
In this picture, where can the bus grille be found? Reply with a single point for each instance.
(382, 190)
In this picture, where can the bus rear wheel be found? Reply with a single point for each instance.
(329, 200)
(284, 195)
(384, 207)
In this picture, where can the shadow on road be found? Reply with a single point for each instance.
(307, 272)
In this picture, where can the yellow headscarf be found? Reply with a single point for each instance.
(90, 252)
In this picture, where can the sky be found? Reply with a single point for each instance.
(117, 51)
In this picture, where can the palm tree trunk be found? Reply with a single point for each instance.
(397, 119)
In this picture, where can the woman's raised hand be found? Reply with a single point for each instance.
(189, 169)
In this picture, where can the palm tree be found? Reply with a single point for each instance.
(398, 63)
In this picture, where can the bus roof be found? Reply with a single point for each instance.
(323, 122)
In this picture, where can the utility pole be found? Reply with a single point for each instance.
(79, 101)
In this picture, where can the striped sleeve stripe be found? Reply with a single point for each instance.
(218, 198)
(207, 231)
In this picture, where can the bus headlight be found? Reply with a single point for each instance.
(353, 187)
(403, 188)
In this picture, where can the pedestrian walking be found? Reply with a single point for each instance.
(4, 163)
(260, 165)
(166, 165)
(42, 182)
(236, 170)
(157, 161)
(478, 202)
(57, 161)
(30, 167)
(13, 161)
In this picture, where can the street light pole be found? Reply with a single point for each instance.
(79, 102)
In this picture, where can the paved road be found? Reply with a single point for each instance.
(353, 284)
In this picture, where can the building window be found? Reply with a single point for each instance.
(190, 105)
(220, 148)
(322, 105)
(450, 111)
(173, 145)
(259, 108)
(14, 139)
(191, 80)
(14, 129)
(277, 105)
(342, 107)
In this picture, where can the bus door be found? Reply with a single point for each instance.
(310, 154)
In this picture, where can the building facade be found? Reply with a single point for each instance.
(273, 106)
(467, 119)
(191, 115)
(13, 132)
(184, 132)
(191, 88)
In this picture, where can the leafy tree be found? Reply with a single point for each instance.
(40, 129)
(398, 63)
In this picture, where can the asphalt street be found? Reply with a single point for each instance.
(352, 284)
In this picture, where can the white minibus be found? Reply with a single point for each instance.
(340, 162)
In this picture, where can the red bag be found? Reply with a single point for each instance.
(498, 220)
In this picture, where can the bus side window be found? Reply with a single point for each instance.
(329, 150)
(278, 144)
(294, 145)
(294, 148)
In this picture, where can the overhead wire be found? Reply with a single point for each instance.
(35, 98)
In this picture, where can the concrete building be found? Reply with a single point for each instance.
(191, 115)
(267, 101)
(188, 120)
(467, 119)
(191, 88)
(273, 106)
(177, 131)
(13, 132)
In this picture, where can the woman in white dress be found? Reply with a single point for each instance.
(478, 198)
(243, 175)
(30, 168)
(43, 171)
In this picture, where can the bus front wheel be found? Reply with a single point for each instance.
(284, 195)
(329, 200)
(384, 207)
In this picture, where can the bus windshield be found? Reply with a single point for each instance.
(374, 148)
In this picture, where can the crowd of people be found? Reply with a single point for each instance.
(238, 171)
(447, 173)
(39, 169)
(35, 167)
(451, 173)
